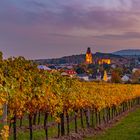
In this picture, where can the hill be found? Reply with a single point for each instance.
(76, 59)
(129, 52)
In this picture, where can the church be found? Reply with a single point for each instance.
(100, 61)
(104, 61)
(89, 59)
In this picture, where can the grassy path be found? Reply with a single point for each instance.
(126, 129)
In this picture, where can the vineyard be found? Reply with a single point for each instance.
(47, 99)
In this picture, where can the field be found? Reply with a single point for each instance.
(126, 129)
(62, 104)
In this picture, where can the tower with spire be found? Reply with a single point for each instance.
(89, 59)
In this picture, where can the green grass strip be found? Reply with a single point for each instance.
(126, 129)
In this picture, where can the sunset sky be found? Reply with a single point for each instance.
(54, 28)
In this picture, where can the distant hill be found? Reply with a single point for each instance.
(129, 52)
(76, 59)
(106, 55)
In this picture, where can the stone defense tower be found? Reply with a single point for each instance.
(89, 56)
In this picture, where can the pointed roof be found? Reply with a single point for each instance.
(88, 50)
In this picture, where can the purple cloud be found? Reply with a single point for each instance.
(124, 36)
(50, 24)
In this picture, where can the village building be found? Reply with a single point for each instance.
(89, 59)
(104, 61)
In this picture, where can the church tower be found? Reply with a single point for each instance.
(89, 56)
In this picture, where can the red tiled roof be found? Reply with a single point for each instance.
(70, 72)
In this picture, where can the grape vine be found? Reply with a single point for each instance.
(27, 91)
